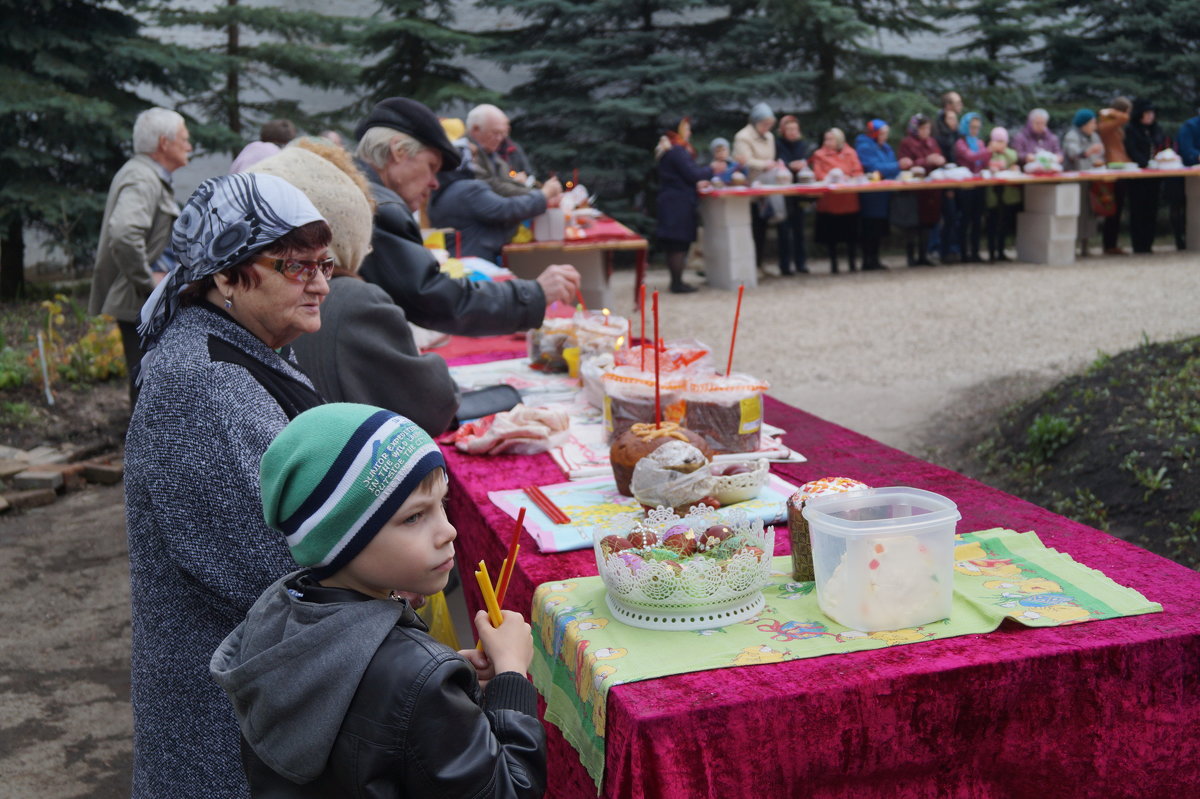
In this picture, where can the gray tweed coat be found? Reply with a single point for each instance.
(199, 551)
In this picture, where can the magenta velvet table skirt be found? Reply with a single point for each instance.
(1108, 708)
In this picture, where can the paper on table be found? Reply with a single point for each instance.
(594, 502)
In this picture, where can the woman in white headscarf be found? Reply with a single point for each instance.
(217, 384)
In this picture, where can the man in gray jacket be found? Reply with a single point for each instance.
(138, 216)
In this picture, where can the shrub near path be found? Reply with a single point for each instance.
(1117, 447)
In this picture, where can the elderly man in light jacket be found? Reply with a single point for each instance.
(138, 216)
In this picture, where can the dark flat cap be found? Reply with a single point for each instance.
(413, 118)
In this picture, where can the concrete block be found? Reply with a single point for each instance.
(1044, 227)
(29, 480)
(1192, 187)
(1057, 199)
(104, 473)
(1034, 250)
(11, 453)
(34, 498)
(45, 454)
(10, 467)
(71, 473)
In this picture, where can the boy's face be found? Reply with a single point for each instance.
(721, 153)
(413, 551)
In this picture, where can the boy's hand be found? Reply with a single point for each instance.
(483, 667)
(510, 646)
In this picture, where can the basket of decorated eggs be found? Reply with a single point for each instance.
(700, 571)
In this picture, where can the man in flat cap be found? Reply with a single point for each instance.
(401, 149)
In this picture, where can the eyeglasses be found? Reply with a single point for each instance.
(300, 271)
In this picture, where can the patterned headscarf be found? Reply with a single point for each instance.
(874, 126)
(226, 221)
(915, 122)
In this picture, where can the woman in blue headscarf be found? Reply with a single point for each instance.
(218, 382)
(876, 155)
(970, 151)
(1083, 149)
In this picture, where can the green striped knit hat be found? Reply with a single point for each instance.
(336, 475)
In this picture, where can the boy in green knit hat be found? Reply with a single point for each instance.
(338, 687)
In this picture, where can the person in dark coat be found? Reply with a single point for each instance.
(678, 174)
(486, 219)
(793, 150)
(944, 238)
(924, 208)
(1143, 138)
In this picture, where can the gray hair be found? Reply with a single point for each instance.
(1039, 113)
(377, 145)
(151, 125)
(760, 112)
(480, 114)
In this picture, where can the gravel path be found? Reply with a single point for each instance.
(899, 354)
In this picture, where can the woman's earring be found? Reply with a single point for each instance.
(228, 303)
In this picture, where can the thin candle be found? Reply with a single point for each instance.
(657, 397)
(642, 306)
(629, 338)
(458, 244)
(511, 561)
(733, 339)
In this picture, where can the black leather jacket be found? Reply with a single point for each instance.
(418, 726)
(400, 264)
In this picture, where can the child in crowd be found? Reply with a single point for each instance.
(337, 686)
(735, 173)
(1002, 201)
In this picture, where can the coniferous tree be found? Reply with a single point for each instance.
(413, 45)
(1146, 49)
(68, 73)
(606, 75)
(262, 49)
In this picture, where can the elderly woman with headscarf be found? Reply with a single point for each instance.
(876, 155)
(837, 212)
(754, 149)
(678, 176)
(921, 209)
(1143, 138)
(365, 351)
(971, 152)
(218, 383)
(1035, 136)
(1083, 149)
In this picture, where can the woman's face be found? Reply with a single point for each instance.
(830, 141)
(924, 130)
(1088, 128)
(790, 131)
(764, 125)
(1148, 117)
(973, 127)
(685, 130)
(882, 134)
(951, 120)
(1038, 124)
(279, 309)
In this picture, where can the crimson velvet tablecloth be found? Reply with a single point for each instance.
(1108, 708)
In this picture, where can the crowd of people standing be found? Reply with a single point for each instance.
(936, 226)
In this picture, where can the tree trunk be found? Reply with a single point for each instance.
(232, 105)
(12, 260)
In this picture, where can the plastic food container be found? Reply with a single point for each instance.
(883, 557)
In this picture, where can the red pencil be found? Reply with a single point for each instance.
(733, 340)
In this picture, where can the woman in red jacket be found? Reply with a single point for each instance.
(837, 213)
(924, 207)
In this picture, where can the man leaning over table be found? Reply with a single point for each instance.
(401, 149)
(136, 227)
